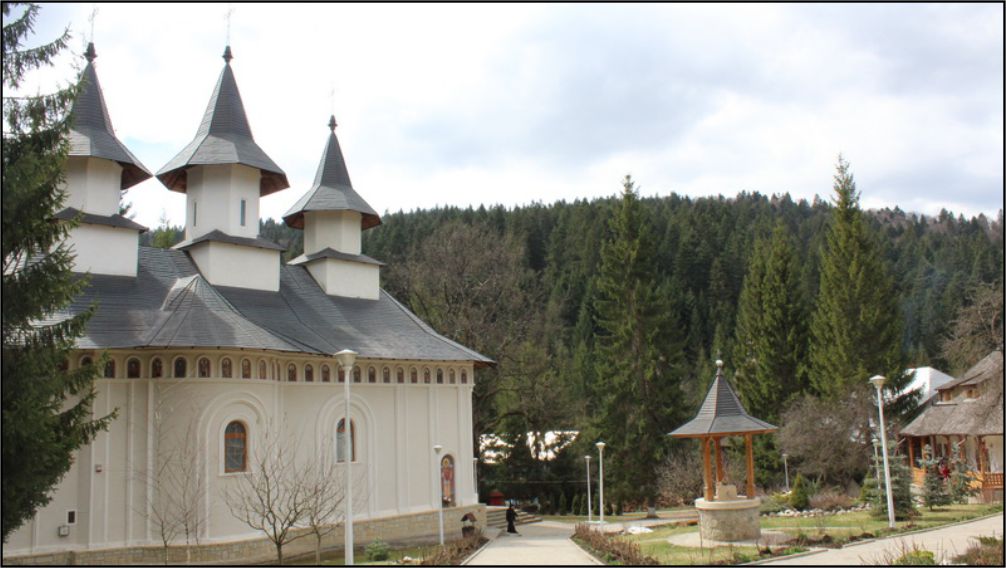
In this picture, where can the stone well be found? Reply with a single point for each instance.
(729, 520)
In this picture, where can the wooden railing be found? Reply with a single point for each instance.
(992, 481)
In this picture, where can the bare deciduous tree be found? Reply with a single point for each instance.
(831, 439)
(324, 506)
(978, 328)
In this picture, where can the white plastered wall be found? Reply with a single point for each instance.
(213, 200)
(101, 249)
(347, 278)
(93, 185)
(339, 230)
(224, 264)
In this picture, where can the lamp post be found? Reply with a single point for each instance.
(346, 359)
(436, 470)
(876, 459)
(878, 382)
(590, 510)
(600, 475)
(785, 467)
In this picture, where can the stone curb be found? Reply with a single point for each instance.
(810, 552)
(489, 541)
(588, 553)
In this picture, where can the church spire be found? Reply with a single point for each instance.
(224, 137)
(91, 132)
(332, 190)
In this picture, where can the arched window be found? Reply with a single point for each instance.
(86, 361)
(447, 480)
(203, 367)
(156, 368)
(400, 375)
(464, 377)
(235, 448)
(263, 370)
(245, 369)
(440, 376)
(413, 376)
(181, 368)
(357, 374)
(133, 368)
(450, 376)
(426, 376)
(110, 369)
(326, 374)
(340, 440)
(342, 374)
(371, 375)
(386, 375)
(291, 373)
(226, 371)
(308, 373)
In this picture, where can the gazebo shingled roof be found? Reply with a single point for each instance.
(722, 414)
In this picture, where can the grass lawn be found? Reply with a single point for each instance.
(335, 558)
(839, 529)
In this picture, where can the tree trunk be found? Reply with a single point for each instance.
(317, 548)
(279, 553)
(651, 507)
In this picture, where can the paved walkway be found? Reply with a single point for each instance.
(546, 543)
(945, 542)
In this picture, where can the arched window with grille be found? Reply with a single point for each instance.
(86, 361)
(440, 376)
(245, 369)
(357, 374)
(464, 377)
(291, 373)
(400, 375)
(386, 375)
(450, 377)
(371, 375)
(235, 448)
(342, 374)
(110, 369)
(308, 373)
(426, 376)
(413, 375)
(133, 368)
(326, 374)
(203, 367)
(156, 368)
(180, 367)
(226, 368)
(340, 441)
(263, 370)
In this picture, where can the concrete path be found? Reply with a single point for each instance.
(546, 543)
(945, 542)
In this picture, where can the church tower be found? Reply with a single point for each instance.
(333, 217)
(223, 173)
(98, 168)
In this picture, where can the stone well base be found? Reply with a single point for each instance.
(729, 521)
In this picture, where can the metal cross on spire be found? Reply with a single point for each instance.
(227, 16)
(90, 20)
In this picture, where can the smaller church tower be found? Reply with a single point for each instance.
(223, 173)
(333, 217)
(98, 168)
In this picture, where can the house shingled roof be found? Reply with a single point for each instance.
(332, 190)
(982, 416)
(224, 137)
(721, 413)
(170, 305)
(91, 133)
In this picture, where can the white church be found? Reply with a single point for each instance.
(216, 346)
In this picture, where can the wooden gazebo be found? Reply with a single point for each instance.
(720, 416)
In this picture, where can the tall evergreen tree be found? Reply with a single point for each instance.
(856, 327)
(46, 409)
(636, 352)
(771, 333)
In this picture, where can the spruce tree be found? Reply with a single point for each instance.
(46, 408)
(636, 351)
(856, 327)
(771, 337)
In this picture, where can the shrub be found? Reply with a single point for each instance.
(831, 500)
(377, 551)
(612, 549)
(798, 498)
(452, 553)
(774, 503)
(916, 558)
(574, 507)
(988, 551)
(563, 508)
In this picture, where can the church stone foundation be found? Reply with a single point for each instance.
(729, 521)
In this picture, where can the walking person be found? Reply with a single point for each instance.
(511, 518)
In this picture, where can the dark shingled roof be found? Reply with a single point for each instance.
(721, 413)
(117, 221)
(224, 137)
(91, 132)
(332, 190)
(331, 253)
(170, 305)
(219, 236)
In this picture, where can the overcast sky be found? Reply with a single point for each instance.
(485, 104)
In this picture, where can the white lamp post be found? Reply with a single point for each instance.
(878, 381)
(346, 359)
(785, 467)
(600, 474)
(876, 459)
(590, 511)
(436, 475)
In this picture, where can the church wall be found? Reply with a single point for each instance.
(224, 264)
(101, 249)
(214, 200)
(339, 230)
(93, 185)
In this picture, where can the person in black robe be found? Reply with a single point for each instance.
(511, 518)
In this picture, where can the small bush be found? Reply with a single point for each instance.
(612, 549)
(988, 551)
(774, 503)
(798, 498)
(377, 551)
(452, 553)
(916, 558)
(831, 500)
